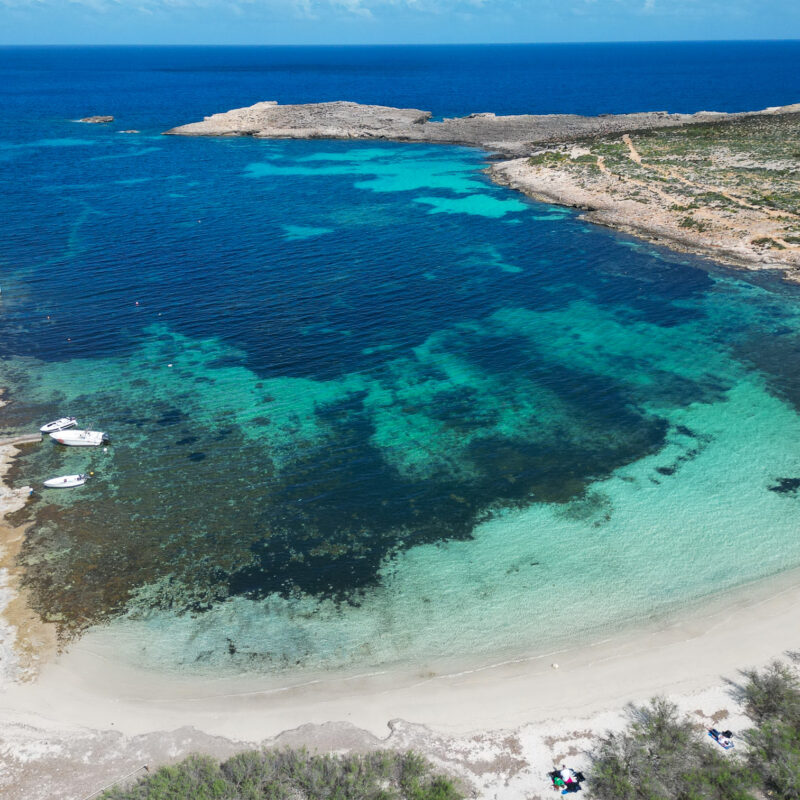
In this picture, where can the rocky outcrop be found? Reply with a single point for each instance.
(96, 119)
(690, 212)
(311, 121)
(509, 135)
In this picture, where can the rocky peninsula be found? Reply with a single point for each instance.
(718, 184)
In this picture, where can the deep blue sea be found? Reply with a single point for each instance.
(367, 407)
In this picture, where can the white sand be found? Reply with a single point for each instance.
(501, 727)
(677, 655)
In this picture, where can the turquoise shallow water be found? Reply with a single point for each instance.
(368, 408)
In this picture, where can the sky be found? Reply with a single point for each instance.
(391, 21)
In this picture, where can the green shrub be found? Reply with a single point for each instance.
(766, 241)
(548, 158)
(772, 701)
(774, 754)
(691, 222)
(773, 693)
(293, 774)
(663, 756)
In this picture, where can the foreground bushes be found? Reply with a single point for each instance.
(294, 775)
(659, 756)
(663, 756)
(772, 700)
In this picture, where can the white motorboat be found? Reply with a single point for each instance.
(65, 482)
(59, 425)
(80, 438)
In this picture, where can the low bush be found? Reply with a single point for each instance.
(294, 775)
(772, 701)
(766, 241)
(548, 158)
(660, 756)
(695, 224)
(663, 756)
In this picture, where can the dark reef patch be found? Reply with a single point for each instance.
(328, 519)
(171, 416)
(778, 360)
(786, 486)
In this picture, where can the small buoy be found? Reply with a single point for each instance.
(554, 666)
(91, 473)
(105, 450)
(137, 302)
(68, 339)
(169, 365)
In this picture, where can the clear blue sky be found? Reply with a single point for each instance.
(390, 21)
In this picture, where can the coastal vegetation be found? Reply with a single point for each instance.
(729, 188)
(293, 775)
(661, 755)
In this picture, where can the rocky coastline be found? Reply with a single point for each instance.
(515, 135)
(711, 212)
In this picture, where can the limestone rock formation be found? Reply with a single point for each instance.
(510, 135)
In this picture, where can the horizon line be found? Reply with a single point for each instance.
(402, 44)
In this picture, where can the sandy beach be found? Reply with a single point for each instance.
(680, 653)
(87, 719)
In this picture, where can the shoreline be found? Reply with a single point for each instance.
(500, 727)
(617, 220)
(684, 651)
(25, 641)
(746, 246)
(626, 217)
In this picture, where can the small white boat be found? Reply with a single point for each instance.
(59, 425)
(65, 482)
(80, 438)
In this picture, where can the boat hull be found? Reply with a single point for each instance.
(65, 482)
(80, 438)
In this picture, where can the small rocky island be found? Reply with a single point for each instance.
(97, 119)
(718, 184)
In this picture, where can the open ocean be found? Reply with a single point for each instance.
(367, 407)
